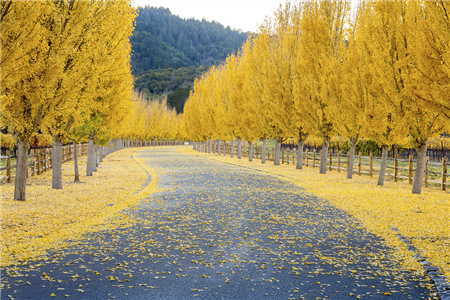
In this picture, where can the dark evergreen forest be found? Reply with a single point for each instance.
(170, 52)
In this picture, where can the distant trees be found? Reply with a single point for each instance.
(313, 70)
(163, 40)
(161, 81)
(151, 119)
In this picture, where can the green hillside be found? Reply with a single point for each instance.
(170, 52)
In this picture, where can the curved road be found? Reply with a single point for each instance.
(219, 231)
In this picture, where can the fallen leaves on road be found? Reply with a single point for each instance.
(424, 219)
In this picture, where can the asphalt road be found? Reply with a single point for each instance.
(218, 231)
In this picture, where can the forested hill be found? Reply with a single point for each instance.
(170, 52)
(164, 40)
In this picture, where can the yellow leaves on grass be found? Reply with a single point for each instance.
(51, 217)
(423, 218)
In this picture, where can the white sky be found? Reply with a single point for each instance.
(238, 14)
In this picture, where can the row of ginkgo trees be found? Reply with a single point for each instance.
(316, 69)
(65, 72)
(152, 119)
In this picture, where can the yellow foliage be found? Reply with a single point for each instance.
(49, 218)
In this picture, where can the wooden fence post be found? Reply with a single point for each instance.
(27, 164)
(307, 156)
(395, 167)
(47, 156)
(32, 161)
(331, 160)
(314, 157)
(370, 164)
(39, 158)
(8, 166)
(348, 161)
(50, 158)
(359, 163)
(444, 173)
(410, 173)
(339, 160)
(426, 170)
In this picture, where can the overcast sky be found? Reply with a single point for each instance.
(238, 14)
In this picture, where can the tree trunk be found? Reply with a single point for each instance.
(232, 147)
(383, 166)
(219, 144)
(300, 145)
(21, 170)
(239, 142)
(75, 163)
(324, 156)
(209, 145)
(418, 177)
(276, 159)
(57, 164)
(352, 158)
(91, 154)
(263, 151)
(94, 161)
(250, 151)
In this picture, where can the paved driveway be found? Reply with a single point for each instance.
(222, 232)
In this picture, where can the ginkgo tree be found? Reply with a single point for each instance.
(322, 25)
(393, 41)
(53, 61)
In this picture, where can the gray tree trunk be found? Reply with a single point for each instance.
(214, 147)
(75, 163)
(91, 154)
(239, 143)
(324, 156)
(420, 168)
(102, 152)
(352, 158)
(300, 145)
(94, 161)
(218, 146)
(232, 147)
(20, 183)
(276, 159)
(263, 151)
(383, 166)
(209, 145)
(98, 153)
(57, 164)
(250, 151)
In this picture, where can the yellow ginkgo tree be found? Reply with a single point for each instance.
(394, 27)
(322, 25)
